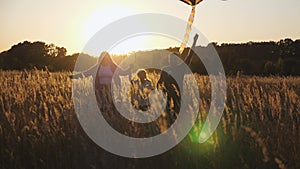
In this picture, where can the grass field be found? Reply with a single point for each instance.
(259, 127)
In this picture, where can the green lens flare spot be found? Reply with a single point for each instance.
(203, 135)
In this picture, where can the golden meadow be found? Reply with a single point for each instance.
(259, 127)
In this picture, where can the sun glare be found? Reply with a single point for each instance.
(101, 17)
(145, 41)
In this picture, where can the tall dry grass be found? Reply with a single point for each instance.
(259, 127)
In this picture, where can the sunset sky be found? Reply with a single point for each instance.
(70, 23)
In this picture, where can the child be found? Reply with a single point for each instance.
(140, 91)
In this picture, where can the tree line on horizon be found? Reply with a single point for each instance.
(252, 58)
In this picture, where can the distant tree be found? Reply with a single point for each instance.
(55, 51)
(253, 58)
(29, 55)
(61, 51)
(270, 68)
(280, 66)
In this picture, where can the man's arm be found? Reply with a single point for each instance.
(188, 59)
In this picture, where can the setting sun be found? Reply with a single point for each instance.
(100, 17)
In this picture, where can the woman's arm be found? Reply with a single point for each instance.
(89, 72)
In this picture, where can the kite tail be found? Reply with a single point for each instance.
(188, 29)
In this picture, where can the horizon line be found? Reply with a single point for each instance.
(218, 43)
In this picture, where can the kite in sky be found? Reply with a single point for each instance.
(193, 3)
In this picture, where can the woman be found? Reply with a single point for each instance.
(103, 73)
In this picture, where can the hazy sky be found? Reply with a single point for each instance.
(70, 23)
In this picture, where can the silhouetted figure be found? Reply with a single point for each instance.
(103, 74)
(168, 84)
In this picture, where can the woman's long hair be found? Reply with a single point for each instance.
(105, 59)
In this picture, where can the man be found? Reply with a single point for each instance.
(168, 84)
